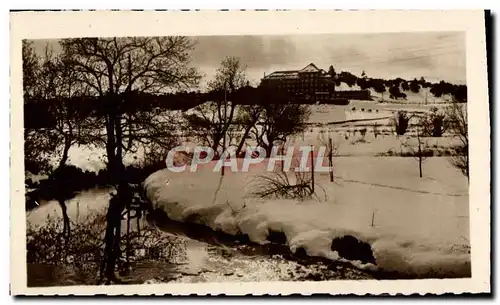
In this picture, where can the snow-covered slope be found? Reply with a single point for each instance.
(420, 226)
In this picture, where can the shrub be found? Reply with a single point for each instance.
(395, 93)
(82, 254)
(414, 86)
(353, 108)
(279, 185)
(401, 122)
(434, 123)
(362, 131)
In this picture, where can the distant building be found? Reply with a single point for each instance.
(311, 83)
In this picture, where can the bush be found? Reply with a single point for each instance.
(401, 122)
(278, 185)
(414, 86)
(82, 254)
(434, 123)
(362, 131)
(395, 93)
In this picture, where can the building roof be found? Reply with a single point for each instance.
(294, 73)
(283, 74)
(310, 68)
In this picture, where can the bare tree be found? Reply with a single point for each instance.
(434, 123)
(39, 140)
(53, 85)
(248, 116)
(401, 121)
(457, 115)
(279, 121)
(114, 68)
(216, 117)
(419, 153)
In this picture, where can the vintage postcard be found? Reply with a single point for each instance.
(249, 152)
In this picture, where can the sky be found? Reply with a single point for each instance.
(433, 55)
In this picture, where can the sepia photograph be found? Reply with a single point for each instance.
(224, 158)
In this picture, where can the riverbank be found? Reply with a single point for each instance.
(200, 254)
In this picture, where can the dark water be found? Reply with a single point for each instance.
(203, 255)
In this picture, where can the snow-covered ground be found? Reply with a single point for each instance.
(420, 225)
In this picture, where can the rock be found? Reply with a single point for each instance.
(351, 248)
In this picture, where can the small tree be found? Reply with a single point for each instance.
(216, 117)
(434, 123)
(362, 131)
(414, 86)
(420, 152)
(279, 121)
(395, 92)
(400, 122)
(247, 117)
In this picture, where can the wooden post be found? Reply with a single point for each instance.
(127, 250)
(312, 168)
(282, 149)
(330, 158)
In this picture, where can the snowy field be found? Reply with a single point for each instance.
(420, 226)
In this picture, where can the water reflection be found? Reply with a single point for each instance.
(200, 254)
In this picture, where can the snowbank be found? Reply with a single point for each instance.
(420, 226)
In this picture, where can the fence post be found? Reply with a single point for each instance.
(312, 168)
(330, 158)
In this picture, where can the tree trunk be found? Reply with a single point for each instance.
(117, 203)
(110, 143)
(127, 250)
(112, 237)
(66, 222)
(67, 146)
(420, 166)
(242, 141)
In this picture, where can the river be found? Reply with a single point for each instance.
(206, 256)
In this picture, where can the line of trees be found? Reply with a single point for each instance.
(397, 87)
